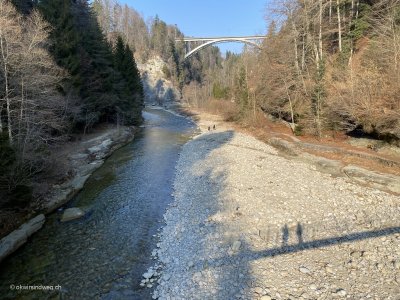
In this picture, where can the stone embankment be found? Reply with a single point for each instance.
(82, 159)
(85, 161)
(249, 223)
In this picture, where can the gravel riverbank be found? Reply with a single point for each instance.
(247, 223)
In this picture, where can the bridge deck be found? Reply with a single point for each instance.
(194, 39)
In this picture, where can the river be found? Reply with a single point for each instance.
(104, 254)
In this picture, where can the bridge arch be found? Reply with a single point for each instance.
(198, 48)
(222, 40)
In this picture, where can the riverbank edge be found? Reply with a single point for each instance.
(84, 164)
(296, 150)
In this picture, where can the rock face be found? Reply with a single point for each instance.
(157, 89)
(18, 237)
(72, 214)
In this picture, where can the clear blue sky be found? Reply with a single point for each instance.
(208, 17)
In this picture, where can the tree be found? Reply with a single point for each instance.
(339, 22)
(35, 111)
(24, 6)
(242, 91)
(131, 96)
(81, 47)
(115, 19)
(34, 107)
(158, 34)
(9, 28)
(65, 39)
(135, 85)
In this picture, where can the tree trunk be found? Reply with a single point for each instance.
(9, 120)
(247, 86)
(296, 55)
(395, 46)
(320, 30)
(339, 25)
(4, 54)
(290, 105)
(1, 121)
(351, 39)
(357, 8)
(254, 104)
(352, 10)
(295, 40)
(21, 111)
(303, 53)
(316, 52)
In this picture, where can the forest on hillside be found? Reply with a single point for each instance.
(325, 66)
(154, 37)
(59, 76)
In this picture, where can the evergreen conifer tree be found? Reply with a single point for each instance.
(108, 83)
(64, 36)
(24, 6)
(131, 96)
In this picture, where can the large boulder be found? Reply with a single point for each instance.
(72, 214)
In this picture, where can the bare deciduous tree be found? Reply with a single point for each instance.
(10, 31)
(35, 110)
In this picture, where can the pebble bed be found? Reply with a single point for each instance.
(247, 223)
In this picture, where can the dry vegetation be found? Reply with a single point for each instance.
(31, 108)
(325, 67)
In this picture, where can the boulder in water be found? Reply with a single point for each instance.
(72, 214)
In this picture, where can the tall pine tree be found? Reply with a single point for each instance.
(131, 95)
(24, 6)
(107, 88)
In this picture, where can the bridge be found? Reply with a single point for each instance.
(207, 41)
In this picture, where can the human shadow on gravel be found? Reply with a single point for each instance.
(285, 235)
(237, 265)
(299, 233)
(319, 243)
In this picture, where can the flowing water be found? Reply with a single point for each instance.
(103, 255)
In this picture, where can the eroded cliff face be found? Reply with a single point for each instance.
(158, 90)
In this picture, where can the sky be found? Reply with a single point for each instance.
(208, 18)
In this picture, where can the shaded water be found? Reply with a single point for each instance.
(103, 255)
